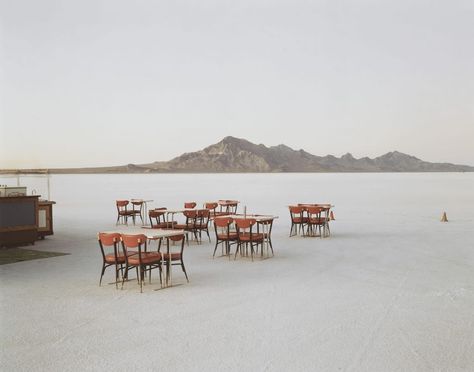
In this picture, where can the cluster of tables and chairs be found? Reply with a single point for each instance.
(311, 219)
(130, 248)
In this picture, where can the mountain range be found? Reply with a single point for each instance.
(239, 155)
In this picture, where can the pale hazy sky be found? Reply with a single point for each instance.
(85, 83)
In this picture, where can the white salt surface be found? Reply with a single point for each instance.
(391, 290)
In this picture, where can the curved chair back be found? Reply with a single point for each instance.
(190, 205)
(211, 206)
(223, 221)
(121, 203)
(245, 223)
(133, 241)
(190, 214)
(108, 240)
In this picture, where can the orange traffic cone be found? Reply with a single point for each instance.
(331, 216)
(444, 218)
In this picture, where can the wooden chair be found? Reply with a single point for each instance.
(176, 258)
(298, 219)
(202, 223)
(136, 256)
(315, 221)
(122, 212)
(158, 219)
(190, 225)
(224, 235)
(190, 205)
(266, 226)
(137, 210)
(116, 258)
(247, 237)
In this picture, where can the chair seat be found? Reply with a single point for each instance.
(247, 238)
(179, 226)
(125, 213)
(317, 221)
(110, 258)
(174, 256)
(232, 236)
(147, 258)
(300, 219)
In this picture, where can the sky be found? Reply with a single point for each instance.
(91, 83)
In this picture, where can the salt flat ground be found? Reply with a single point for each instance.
(391, 290)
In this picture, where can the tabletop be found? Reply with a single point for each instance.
(148, 232)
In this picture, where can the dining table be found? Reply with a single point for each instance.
(152, 234)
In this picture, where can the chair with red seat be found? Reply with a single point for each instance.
(298, 219)
(224, 235)
(202, 222)
(190, 225)
(317, 220)
(266, 227)
(158, 220)
(247, 237)
(137, 209)
(116, 258)
(136, 256)
(176, 257)
(123, 212)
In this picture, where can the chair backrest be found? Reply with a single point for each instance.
(133, 241)
(108, 240)
(137, 205)
(190, 205)
(244, 223)
(314, 211)
(296, 211)
(190, 214)
(222, 226)
(121, 205)
(211, 206)
(223, 221)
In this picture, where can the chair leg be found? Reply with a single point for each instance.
(116, 275)
(215, 249)
(125, 276)
(239, 246)
(184, 270)
(102, 274)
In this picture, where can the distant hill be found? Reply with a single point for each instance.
(239, 155)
